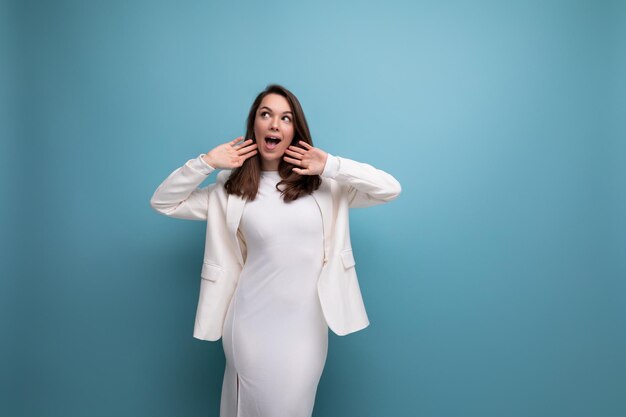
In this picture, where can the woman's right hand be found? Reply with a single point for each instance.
(230, 155)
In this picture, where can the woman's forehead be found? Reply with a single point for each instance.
(276, 103)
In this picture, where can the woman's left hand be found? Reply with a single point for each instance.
(307, 161)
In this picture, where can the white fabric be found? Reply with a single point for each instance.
(352, 184)
(275, 337)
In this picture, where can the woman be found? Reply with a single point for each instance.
(278, 269)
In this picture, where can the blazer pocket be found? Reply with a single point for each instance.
(347, 258)
(211, 272)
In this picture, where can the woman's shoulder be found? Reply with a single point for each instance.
(223, 176)
(217, 187)
(332, 186)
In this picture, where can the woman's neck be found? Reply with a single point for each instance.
(269, 165)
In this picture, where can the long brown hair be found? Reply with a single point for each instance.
(244, 181)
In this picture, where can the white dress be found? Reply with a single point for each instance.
(275, 336)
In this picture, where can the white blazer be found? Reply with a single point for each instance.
(345, 184)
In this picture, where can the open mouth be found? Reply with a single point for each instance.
(271, 142)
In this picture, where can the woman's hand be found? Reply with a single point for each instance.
(311, 161)
(230, 155)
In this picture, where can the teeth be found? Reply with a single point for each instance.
(272, 140)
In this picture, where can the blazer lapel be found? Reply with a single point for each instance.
(323, 198)
(234, 210)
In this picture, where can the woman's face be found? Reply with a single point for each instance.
(273, 130)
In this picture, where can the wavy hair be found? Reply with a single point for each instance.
(244, 181)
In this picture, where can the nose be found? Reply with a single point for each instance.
(274, 123)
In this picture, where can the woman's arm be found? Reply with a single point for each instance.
(180, 196)
(367, 186)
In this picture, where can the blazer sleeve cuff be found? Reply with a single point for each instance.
(331, 168)
(198, 164)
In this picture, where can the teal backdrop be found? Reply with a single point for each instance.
(495, 284)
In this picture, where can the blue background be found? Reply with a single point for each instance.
(495, 284)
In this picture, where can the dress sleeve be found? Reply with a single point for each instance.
(180, 194)
(365, 185)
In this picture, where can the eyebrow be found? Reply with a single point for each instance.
(265, 107)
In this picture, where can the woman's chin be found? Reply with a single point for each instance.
(272, 160)
(272, 156)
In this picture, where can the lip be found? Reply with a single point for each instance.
(271, 146)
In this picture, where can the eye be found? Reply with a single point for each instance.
(263, 113)
(287, 118)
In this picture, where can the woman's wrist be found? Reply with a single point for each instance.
(201, 165)
(205, 159)
(331, 167)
